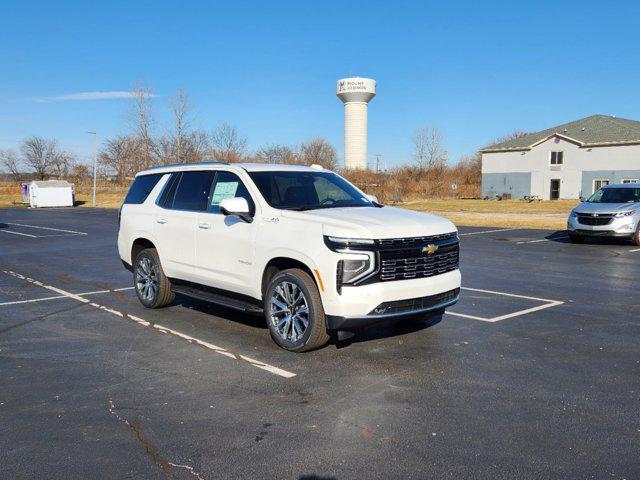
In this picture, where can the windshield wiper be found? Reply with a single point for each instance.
(301, 208)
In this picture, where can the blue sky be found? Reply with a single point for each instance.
(476, 70)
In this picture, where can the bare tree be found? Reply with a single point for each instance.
(62, 164)
(11, 163)
(119, 156)
(512, 136)
(320, 152)
(429, 152)
(180, 107)
(227, 144)
(42, 155)
(140, 122)
(276, 154)
(196, 148)
(80, 171)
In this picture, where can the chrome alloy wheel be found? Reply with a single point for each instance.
(147, 278)
(289, 313)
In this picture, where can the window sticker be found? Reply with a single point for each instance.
(223, 190)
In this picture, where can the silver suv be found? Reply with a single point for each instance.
(613, 211)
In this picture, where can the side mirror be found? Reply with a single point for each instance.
(582, 199)
(236, 207)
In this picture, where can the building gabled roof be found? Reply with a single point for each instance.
(593, 131)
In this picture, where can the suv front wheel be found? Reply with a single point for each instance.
(294, 312)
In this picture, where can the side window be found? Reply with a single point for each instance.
(169, 192)
(141, 188)
(193, 191)
(228, 185)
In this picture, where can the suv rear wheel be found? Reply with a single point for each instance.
(151, 284)
(294, 313)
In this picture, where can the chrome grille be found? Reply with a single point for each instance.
(595, 220)
(402, 259)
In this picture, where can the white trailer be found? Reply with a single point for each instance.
(49, 193)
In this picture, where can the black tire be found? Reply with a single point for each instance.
(290, 336)
(573, 238)
(158, 292)
(636, 237)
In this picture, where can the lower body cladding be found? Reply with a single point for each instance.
(624, 227)
(363, 305)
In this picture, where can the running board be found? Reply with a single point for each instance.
(218, 299)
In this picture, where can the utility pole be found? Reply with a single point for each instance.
(95, 164)
(378, 156)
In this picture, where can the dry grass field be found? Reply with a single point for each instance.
(108, 195)
(506, 213)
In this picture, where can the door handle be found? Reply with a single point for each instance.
(204, 225)
(161, 221)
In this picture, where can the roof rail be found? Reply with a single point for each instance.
(171, 165)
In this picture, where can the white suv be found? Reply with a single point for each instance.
(299, 244)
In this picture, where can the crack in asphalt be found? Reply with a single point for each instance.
(39, 317)
(150, 449)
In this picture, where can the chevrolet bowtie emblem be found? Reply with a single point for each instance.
(429, 249)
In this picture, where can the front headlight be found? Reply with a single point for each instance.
(625, 214)
(353, 269)
(573, 214)
(337, 244)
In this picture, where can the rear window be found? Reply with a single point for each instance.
(141, 188)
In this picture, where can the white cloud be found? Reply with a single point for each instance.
(84, 96)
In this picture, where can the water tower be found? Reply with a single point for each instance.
(355, 93)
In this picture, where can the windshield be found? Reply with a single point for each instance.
(307, 190)
(616, 195)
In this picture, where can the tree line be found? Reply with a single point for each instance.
(143, 145)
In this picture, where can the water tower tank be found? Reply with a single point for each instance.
(355, 93)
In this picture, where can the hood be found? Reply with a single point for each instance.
(586, 207)
(376, 223)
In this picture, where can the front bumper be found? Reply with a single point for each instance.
(360, 301)
(396, 309)
(618, 227)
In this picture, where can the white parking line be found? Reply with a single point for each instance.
(547, 304)
(161, 328)
(556, 237)
(635, 250)
(34, 300)
(488, 231)
(18, 233)
(46, 228)
(533, 241)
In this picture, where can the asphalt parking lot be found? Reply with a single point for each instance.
(534, 374)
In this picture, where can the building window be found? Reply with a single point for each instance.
(598, 184)
(630, 180)
(556, 158)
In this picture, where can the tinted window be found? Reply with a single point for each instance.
(307, 190)
(169, 192)
(228, 185)
(141, 188)
(193, 191)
